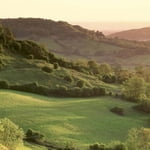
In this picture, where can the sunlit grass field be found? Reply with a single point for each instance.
(80, 121)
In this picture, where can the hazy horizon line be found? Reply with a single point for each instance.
(105, 26)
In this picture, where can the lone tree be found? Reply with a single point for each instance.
(134, 88)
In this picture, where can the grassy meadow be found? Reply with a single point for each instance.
(80, 121)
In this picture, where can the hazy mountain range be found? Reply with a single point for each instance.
(142, 34)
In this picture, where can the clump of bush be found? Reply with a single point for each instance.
(33, 88)
(59, 90)
(30, 56)
(144, 106)
(4, 85)
(99, 91)
(80, 83)
(86, 91)
(117, 146)
(117, 110)
(33, 136)
(68, 78)
(56, 65)
(32, 48)
(47, 69)
(1, 62)
(1, 67)
(69, 148)
(108, 78)
(30, 87)
(110, 93)
(1, 48)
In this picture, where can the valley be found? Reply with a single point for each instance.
(50, 102)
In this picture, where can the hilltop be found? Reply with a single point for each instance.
(142, 34)
(76, 42)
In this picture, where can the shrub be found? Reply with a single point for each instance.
(117, 95)
(116, 146)
(34, 136)
(61, 90)
(32, 48)
(75, 92)
(80, 83)
(94, 147)
(68, 78)
(31, 87)
(56, 65)
(120, 147)
(110, 93)
(144, 106)
(10, 134)
(117, 110)
(1, 67)
(43, 90)
(99, 91)
(15, 46)
(134, 89)
(4, 85)
(30, 56)
(69, 147)
(1, 64)
(87, 92)
(109, 78)
(47, 69)
(1, 48)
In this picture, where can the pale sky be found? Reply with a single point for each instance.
(78, 10)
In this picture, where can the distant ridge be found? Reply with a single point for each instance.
(36, 27)
(142, 34)
(76, 42)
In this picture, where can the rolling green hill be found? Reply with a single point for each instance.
(28, 66)
(82, 120)
(75, 42)
(70, 120)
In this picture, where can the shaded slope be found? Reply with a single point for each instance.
(26, 73)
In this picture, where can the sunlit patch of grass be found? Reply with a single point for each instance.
(80, 121)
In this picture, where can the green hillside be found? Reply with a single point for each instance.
(29, 67)
(70, 120)
(75, 42)
(78, 95)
